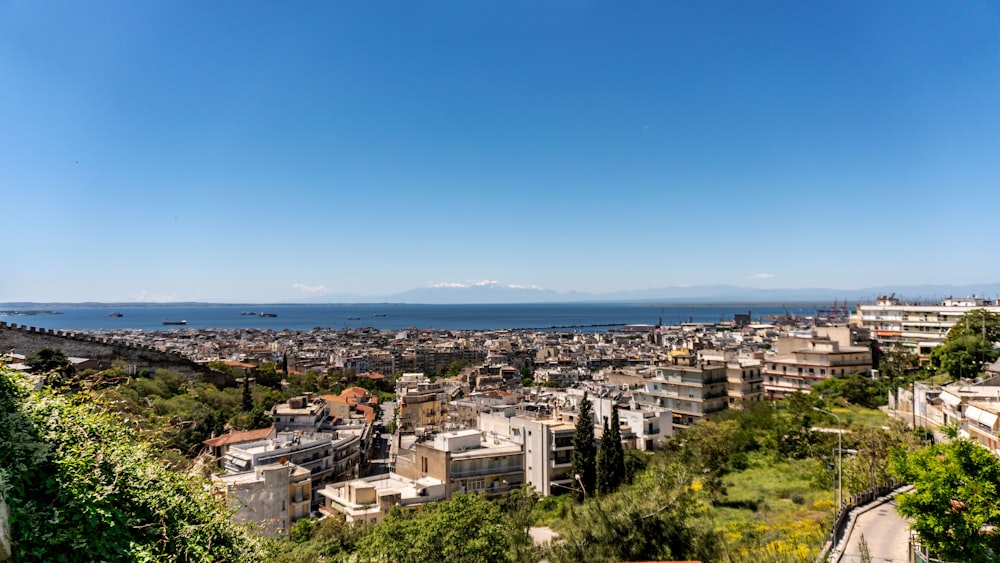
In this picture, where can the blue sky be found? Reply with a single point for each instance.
(245, 151)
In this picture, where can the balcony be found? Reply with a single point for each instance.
(484, 471)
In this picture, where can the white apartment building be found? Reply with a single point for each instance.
(547, 445)
(917, 326)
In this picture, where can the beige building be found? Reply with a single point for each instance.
(745, 382)
(801, 360)
(369, 500)
(271, 496)
(467, 461)
(423, 406)
(305, 414)
(690, 389)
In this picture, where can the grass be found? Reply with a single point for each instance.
(777, 510)
(853, 415)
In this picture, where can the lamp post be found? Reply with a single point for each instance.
(840, 463)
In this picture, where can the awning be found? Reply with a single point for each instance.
(952, 400)
(982, 417)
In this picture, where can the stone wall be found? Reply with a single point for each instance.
(22, 339)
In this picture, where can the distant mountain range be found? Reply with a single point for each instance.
(494, 292)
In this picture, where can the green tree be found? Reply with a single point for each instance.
(955, 504)
(466, 528)
(659, 517)
(81, 485)
(610, 457)
(268, 375)
(855, 388)
(963, 356)
(47, 359)
(247, 402)
(978, 322)
(584, 466)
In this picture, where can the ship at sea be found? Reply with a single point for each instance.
(174, 323)
(268, 315)
(116, 315)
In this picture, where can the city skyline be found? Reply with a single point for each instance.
(254, 153)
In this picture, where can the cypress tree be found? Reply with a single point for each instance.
(604, 484)
(617, 461)
(610, 457)
(247, 397)
(584, 453)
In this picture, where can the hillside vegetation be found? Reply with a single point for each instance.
(80, 485)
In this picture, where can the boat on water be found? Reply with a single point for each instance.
(248, 313)
(116, 315)
(354, 318)
(268, 314)
(378, 315)
(169, 322)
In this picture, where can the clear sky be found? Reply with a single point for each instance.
(248, 151)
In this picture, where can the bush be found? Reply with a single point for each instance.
(79, 483)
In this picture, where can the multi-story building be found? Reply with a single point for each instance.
(745, 381)
(467, 461)
(326, 455)
(272, 496)
(917, 326)
(368, 500)
(691, 390)
(306, 414)
(422, 405)
(801, 360)
(547, 444)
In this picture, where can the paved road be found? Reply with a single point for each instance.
(886, 533)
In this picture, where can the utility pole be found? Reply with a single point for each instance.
(840, 463)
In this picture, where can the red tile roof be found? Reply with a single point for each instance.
(237, 436)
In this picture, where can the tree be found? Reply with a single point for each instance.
(660, 517)
(50, 360)
(963, 356)
(610, 457)
(466, 528)
(247, 396)
(268, 376)
(955, 504)
(81, 485)
(979, 322)
(584, 453)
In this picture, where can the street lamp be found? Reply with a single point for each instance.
(840, 463)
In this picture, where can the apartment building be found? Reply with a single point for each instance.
(306, 414)
(917, 326)
(272, 496)
(690, 389)
(547, 444)
(368, 500)
(745, 381)
(467, 461)
(800, 360)
(422, 405)
(325, 455)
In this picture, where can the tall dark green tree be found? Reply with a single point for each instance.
(247, 396)
(603, 485)
(584, 453)
(610, 457)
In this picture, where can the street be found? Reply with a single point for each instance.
(886, 533)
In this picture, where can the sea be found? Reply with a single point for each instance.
(583, 317)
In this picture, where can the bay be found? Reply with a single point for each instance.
(588, 317)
